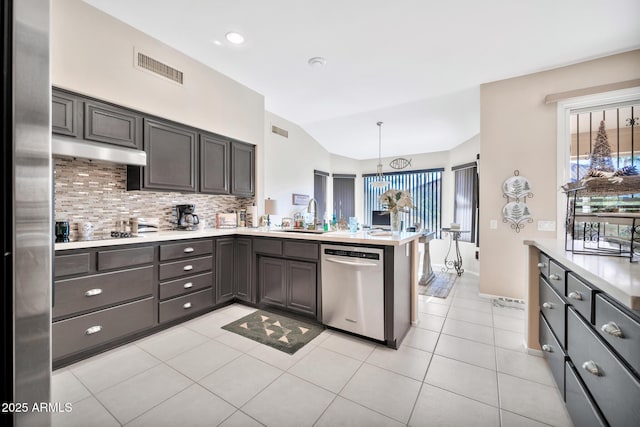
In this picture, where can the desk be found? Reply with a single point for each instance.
(454, 235)
(427, 272)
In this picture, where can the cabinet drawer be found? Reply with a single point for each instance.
(553, 353)
(186, 267)
(91, 292)
(120, 258)
(543, 264)
(66, 265)
(580, 296)
(627, 344)
(83, 332)
(554, 308)
(185, 285)
(301, 250)
(185, 249)
(581, 407)
(185, 305)
(557, 277)
(268, 246)
(614, 388)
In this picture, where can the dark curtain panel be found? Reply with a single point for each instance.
(320, 192)
(465, 204)
(344, 198)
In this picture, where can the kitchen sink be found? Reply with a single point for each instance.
(303, 230)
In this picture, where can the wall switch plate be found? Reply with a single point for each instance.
(546, 226)
(493, 224)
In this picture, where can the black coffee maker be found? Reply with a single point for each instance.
(187, 220)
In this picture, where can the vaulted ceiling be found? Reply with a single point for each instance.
(416, 65)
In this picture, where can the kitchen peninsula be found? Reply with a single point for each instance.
(109, 292)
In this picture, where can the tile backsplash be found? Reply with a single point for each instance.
(94, 191)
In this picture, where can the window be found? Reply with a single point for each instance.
(320, 192)
(426, 191)
(465, 203)
(344, 197)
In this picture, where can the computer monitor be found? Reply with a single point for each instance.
(381, 219)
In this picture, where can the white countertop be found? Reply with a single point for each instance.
(614, 275)
(361, 237)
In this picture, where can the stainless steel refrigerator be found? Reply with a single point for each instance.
(27, 212)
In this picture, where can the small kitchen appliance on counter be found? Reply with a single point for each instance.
(144, 225)
(62, 231)
(226, 220)
(187, 220)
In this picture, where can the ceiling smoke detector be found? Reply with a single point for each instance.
(317, 61)
(235, 38)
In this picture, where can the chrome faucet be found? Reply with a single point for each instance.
(313, 202)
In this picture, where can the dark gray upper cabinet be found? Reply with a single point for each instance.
(113, 125)
(214, 164)
(66, 114)
(242, 169)
(225, 278)
(171, 158)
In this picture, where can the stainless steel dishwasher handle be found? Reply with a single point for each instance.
(352, 263)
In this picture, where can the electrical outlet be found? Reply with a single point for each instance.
(493, 224)
(546, 226)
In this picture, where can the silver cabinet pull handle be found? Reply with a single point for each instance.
(554, 277)
(547, 305)
(547, 348)
(93, 292)
(187, 285)
(93, 330)
(188, 250)
(612, 329)
(187, 267)
(576, 295)
(541, 265)
(591, 367)
(186, 305)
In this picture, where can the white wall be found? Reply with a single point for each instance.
(289, 164)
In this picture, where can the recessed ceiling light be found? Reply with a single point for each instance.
(317, 61)
(235, 38)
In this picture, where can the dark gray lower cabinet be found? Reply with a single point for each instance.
(225, 254)
(301, 287)
(244, 269)
(288, 284)
(272, 281)
(583, 410)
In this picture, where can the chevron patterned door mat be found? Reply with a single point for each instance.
(277, 331)
(440, 286)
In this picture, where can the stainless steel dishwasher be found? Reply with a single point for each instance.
(353, 289)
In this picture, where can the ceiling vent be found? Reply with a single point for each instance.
(279, 131)
(147, 63)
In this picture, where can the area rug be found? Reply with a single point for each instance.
(277, 331)
(440, 285)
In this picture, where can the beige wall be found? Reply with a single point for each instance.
(518, 131)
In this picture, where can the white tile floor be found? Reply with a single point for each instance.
(463, 365)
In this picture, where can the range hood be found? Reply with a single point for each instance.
(96, 151)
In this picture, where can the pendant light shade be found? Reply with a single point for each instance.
(379, 181)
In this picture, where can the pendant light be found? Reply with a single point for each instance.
(379, 181)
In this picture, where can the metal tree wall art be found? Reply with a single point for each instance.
(516, 190)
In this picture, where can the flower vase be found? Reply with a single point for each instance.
(395, 221)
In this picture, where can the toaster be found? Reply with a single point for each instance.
(145, 225)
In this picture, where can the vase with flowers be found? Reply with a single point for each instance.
(396, 202)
